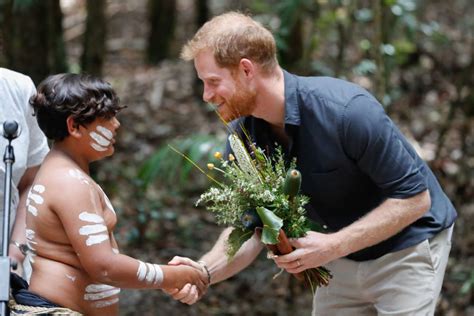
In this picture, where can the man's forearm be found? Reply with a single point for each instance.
(389, 218)
(219, 266)
(18, 231)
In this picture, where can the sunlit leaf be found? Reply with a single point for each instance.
(271, 225)
(236, 239)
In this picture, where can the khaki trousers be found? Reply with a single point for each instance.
(406, 282)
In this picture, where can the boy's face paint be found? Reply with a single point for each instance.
(102, 132)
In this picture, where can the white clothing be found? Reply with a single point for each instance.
(31, 146)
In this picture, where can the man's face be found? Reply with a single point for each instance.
(225, 90)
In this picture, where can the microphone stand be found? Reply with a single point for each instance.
(10, 129)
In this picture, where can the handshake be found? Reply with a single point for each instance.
(192, 280)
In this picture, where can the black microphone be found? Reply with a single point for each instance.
(11, 130)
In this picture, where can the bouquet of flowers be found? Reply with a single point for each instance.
(260, 195)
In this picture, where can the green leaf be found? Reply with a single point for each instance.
(236, 239)
(271, 225)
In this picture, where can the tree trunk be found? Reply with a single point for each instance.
(292, 56)
(39, 55)
(377, 50)
(162, 24)
(202, 12)
(92, 58)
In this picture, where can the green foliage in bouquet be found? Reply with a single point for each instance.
(255, 183)
(259, 194)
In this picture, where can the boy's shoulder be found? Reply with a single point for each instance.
(63, 181)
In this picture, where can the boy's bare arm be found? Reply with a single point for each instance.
(89, 228)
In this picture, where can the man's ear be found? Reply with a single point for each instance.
(247, 68)
(73, 127)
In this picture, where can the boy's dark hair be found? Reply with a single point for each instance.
(83, 96)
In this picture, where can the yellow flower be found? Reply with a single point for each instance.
(210, 166)
(217, 155)
(231, 157)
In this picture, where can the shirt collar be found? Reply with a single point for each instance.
(292, 111)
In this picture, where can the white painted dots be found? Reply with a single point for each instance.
(35, 197)
(96, 231)
(100, 295)
(150, 273)
(101, 137)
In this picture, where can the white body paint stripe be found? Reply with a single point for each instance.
(102, 141)
(93, 288)
(150, 276)
(101, 295)
(105, 131)
(76, 173)
(98, 147)
(30, 234)
(107, 201)
(158, 274)
(39, 188)
(92, 229)
(115, 250)
(71, 277)
(106, 303)
(38, 199)
(96, 239)
(91, 218)
(33, 210)
(141, 273)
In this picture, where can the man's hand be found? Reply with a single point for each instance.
(311, 251)
(189, 294)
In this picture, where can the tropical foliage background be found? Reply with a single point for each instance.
(416, 56)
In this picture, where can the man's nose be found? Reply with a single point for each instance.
(207, 94)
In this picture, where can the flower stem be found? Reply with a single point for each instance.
(195, 165)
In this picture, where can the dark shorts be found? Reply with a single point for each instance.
(19, 290)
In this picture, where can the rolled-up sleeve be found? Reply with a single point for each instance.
(370, 138)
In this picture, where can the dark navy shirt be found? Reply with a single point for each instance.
(352, 157)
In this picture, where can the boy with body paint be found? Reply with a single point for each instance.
(75, 258)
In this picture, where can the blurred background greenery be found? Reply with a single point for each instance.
(416, 56)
